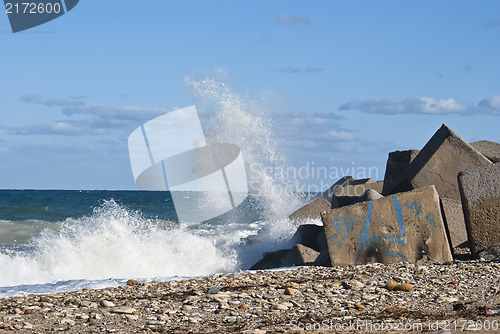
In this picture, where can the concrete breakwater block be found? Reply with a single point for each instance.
(343, 195)
(454, 216)
(440, 161)
(403, 227)
(311, 210)
(369, 195)
(480, 190)
(396, 171)
(489, 149)
(344, 181)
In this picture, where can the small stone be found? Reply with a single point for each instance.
(213, 290)
(292, 285)
(68, 322)
(245, 306)
(404, 287)
(390, 268)
(290, 291)
(106, 303)
(353, 284)
(395, 309)
(132, 282)
(122, 310)
(391, 285)
(359, 306)
(132, 316)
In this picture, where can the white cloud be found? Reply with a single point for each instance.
(98, 119)
(421, 105)
(492, 103)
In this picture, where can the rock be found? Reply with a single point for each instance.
(299, 255)
(403, 227)
(213, 290)
(328, 194)
(68, 322)
(106, 303)
(350, 193)
(440, 161)
(491, 253)
(454, 220)
(290, 291)
(359, 187)
(489, 149)
(359, 306)
(122, 310)
(396, 171)
(311, 210)
(132, 282)
(353, 284)
(391, 285)
(270, 260)
(307, 234)
(480, 190)
(368, 195)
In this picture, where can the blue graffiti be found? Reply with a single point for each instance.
(376, 241)
(340, 223)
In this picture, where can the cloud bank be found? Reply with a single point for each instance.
(96, 119)
(422, 105)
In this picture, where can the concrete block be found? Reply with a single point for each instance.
(340, 183)
(489, 149)
(440, 161)
(369, 195)
(403, 227)
(350, 192)
(311, 210)
(396, 171)
(307, 235)
(299, 255)
(270, 260)
(454, 219)
(480, 191)
(359, 189)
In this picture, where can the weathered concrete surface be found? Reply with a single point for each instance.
(349, 192)
(403, 227)
(359, 188)
(328, 194)
(489, 149)
(441, 159)
(368, 195)
(311, 210)
(480, 190)
(307, 235)
(299, 255)
(323, 258)
(396, 171)
(454, 218)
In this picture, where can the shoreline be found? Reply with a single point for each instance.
(307, 299)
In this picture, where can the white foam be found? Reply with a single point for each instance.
(114, 242)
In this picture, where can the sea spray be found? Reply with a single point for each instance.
(234, 119)
(115, 242)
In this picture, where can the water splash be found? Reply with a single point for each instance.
(241, 120)
(114, 242)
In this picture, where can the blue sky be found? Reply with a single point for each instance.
(350, 80)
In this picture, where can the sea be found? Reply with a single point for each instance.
(60, 240)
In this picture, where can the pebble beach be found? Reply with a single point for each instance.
(371, 298)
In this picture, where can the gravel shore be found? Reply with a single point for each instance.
(377, 298)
